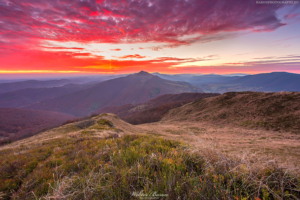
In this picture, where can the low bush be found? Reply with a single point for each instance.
(85, 123)
(106, 123)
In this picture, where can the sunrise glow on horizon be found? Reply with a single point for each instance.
(165, 36)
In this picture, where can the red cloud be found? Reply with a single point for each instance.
(132, 56)
(25, 59)
(115, 49)
(122, 30)
(64, 48)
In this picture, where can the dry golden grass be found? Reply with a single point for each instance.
(283, 147)
(267, 124)
(280, 146)
(255, 110)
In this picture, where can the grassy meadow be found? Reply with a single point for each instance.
(75, 164)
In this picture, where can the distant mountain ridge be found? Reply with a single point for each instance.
(266, 82)
(200, 79)
(131, 89)
(275, 81)
(23, 97)
(8, 87)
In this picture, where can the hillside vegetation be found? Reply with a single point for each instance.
(270, 111)
(154, 109)
(105, 158)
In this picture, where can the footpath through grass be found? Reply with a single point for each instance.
(133, 166)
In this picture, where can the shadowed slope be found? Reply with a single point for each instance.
(276, 111)
(154, 109)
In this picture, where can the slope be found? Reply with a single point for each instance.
(276, 111)
(132, 89)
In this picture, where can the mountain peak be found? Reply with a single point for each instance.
(143, 73)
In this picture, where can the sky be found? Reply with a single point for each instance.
(166, 36)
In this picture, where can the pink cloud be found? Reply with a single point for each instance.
(142, 21)
(291, 16)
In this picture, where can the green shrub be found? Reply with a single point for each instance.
(106, 122)
(85, 123)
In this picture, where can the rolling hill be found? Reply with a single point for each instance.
(154, 109)
(211, 79)
(275, 111)
(199, 80)
(18, 123)
(8, 87)
(132, 89)
(273, 82)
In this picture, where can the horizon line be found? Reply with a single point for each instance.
(66, 75)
